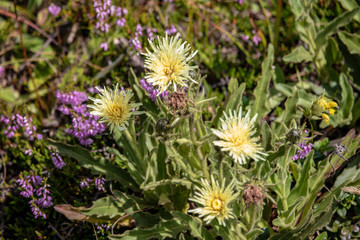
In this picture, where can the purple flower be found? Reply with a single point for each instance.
(245, 38)
(32, 188)
(171, 31)
(304, 150)
(28, 152)
(84, 125)
(57, 160)
(121, 22)
(54, 10)
(36, 211)
(256, 38)
(18, 124)
(104, 46)
(85, 182)
(102, 227)
(99, 183)
(72, 98)
(151, 91)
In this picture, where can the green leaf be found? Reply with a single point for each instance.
(233, 84)
(164, 182)
(100, 166)
(161, 165)
(195, 226)
(8, 94)
(298, 55)
(350, 5)
(332, 27)
(165, 229)
(233, 102)
(302, 185)
(322, 236)
(352, 42)
(344, 115)
(261, 92)
(104, 207)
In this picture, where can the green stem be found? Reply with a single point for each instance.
(191, 130)
(252, 216)
(136, 148)
(197, 150)
(277, 23)
(267, 22)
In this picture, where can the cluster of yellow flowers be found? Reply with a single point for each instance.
(169, 68)
(324, 106)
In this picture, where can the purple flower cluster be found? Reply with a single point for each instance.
(151, 90)
(150, 33)
(54, 10)
(104, 10)
(57, 160)
(98, 182)
(304, 150)
(121, 12)
(102, 228)
(135, 41)
(171, 31)
(84, 125)
(256, 38)
(21, 124)
(85, 182)
(40, 194)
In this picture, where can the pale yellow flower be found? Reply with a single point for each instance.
(114, 107)
(215, 201)
(169, 63)
(236, 137)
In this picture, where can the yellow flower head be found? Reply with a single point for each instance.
(323, 107)
(168, 63)
(236, 137)
(215, 201)
(114, 107)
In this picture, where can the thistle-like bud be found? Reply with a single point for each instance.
(178, 102)
(293, 136)
(253, 195)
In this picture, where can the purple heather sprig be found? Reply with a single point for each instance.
(57, 160)
(85, 182)
(84, 125)
(104, 46)
(19, 124)
(304, 150)
(54, 10)
(102, 228)
(151, 90)
(150, 33)
(256, 38)
(171, 31)
(34, 187)
(99, 183)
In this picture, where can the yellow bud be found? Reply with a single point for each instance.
(332, 111)
(332, 104)
(325, 117)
